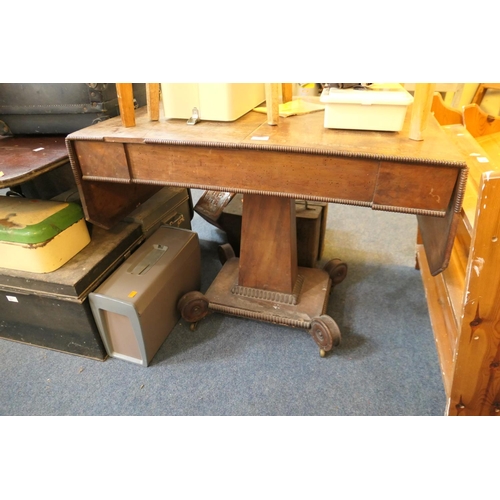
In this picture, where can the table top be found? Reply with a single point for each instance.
(23, 158)
(299, 158)
(298, 133)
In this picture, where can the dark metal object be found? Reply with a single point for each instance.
(52, 310)
(60, 108)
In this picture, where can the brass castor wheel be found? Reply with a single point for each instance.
(325, 333)
(337, 270)
(193, 307)
(225, 252)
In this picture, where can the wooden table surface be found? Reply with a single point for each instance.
(24, 158)
(306, 131)
(300, 159)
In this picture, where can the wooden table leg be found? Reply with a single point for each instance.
(268, 255)
(420, 109)
(265, 283)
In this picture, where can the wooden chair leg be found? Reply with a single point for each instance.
(153, 101)
(125, 96)
(287, 92)
(272, 103)
(421, 109)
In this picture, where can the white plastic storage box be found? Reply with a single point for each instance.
(380, 106)
(135, 309)
(214, 101)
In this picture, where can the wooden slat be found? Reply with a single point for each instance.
(287, 92)
(24, 158)
(441, 316)
(125, 96)
(443, 113)
(268, 223)
(454, 278)
(479, 123)
(272, 103)
(476, 375)
(153, 100)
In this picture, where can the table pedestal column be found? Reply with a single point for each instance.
(265, 283)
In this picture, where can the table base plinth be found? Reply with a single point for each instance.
(305, 308)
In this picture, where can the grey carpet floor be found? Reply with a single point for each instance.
(386, 365)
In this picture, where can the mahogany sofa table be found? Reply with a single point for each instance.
(118, 167)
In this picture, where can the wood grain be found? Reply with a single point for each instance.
(476, 388)
(298, 159)
(272, 103)
(125, 94)
(287, 92)
(153, 100)
(463, 300)
(444, 114)
(479, 123)
(24, 158)
(268, 251)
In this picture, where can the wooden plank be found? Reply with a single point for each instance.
(306, 131)
(443, 113)
(476, 375)
(125, 94)
(479, 123)
(441, 316)
(263, 172)
(153, 100)
(105, 160)
(433, 191)
(268, 230)
(272, 103)
(454, 279)
(24, 158)
(287, 92)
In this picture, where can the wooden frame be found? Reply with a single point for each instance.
(463, 300)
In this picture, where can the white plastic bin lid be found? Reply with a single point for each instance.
(376, 93)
